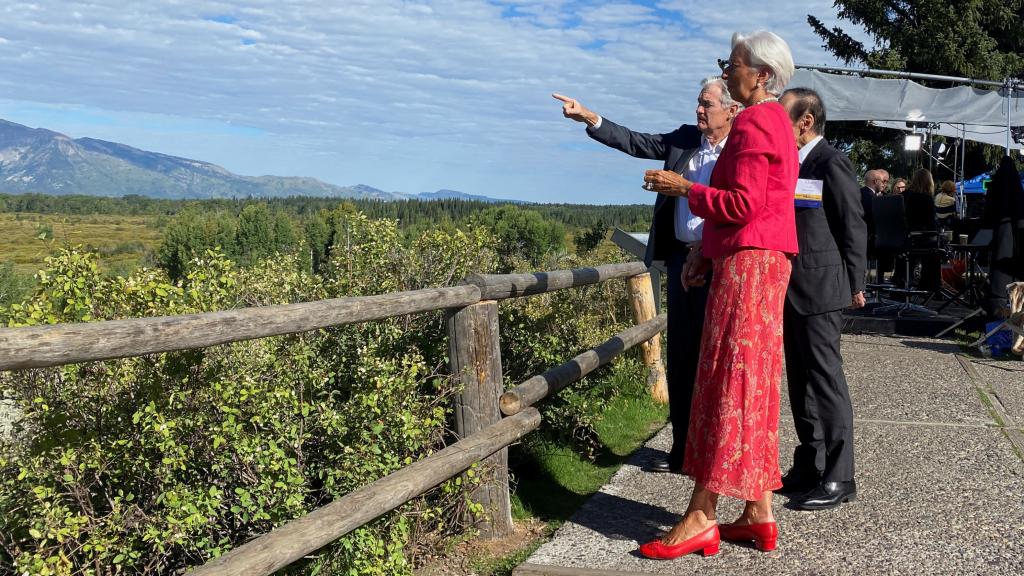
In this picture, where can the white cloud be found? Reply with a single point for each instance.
(411, 96)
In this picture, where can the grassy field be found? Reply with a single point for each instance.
(123, 242)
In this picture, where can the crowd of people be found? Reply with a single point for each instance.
(765, 233)
(927, 209)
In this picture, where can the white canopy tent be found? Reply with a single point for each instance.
(994, 135)
(962, 112)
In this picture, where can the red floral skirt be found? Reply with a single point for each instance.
(732, 445)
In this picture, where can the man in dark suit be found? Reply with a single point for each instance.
(876, 183)
(690, 150)
(867, 194)
(827, 276)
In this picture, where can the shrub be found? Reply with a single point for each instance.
(12, 285)
(151, 464)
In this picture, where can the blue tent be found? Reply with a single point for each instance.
(978, 184)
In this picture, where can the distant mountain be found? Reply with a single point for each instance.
(456, 195)
(43, 161)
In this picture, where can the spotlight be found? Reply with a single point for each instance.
(912, 142)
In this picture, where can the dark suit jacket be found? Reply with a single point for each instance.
(833, 238)
(920, 211)
(675, 149)
(866, 197)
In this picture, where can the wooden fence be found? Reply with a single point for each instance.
(473, 328)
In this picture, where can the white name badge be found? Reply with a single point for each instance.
(808, 193)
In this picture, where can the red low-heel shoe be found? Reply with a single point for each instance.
(707, 541)
(765, 534)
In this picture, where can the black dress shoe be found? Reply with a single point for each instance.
(826, 495)
(798, 482)
(661, 465)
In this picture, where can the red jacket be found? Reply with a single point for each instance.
(749, 203)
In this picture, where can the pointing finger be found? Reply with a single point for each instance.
(558, 96)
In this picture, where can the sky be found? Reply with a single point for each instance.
(409, 96)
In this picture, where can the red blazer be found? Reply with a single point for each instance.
(749, 203)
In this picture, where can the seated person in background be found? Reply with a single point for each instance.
(919, 202)
(945, 205)
(876, 183)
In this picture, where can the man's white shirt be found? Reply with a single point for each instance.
(690, 228)
(806, 150)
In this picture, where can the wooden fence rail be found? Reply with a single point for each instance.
(499, 286)
(41, 346)
(550, 382)
(475, 364)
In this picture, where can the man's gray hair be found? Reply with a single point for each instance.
(767, 49)
(726, 98)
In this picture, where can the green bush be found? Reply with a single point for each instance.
(12, 285)
(543, 331)
(149, 465)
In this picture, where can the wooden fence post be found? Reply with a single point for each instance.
(475, 356)
(641, 295)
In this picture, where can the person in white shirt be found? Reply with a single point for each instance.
(690, 150)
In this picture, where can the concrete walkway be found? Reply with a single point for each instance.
(940, 476)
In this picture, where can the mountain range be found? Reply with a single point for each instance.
(48, 162)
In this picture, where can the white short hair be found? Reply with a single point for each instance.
(723, 88)
(767, 49)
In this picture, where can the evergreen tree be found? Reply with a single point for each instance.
(522, 233)
(969, 38)
(255, 235)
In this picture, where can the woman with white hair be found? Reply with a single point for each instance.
(749, 237)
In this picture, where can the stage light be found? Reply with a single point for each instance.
(912, 142)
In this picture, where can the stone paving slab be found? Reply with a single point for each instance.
(1006, 380)
(939, 493)
(890, 379)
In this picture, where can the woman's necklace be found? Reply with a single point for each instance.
(766, 99)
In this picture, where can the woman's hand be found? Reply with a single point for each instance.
(666, 182)
(695, 269)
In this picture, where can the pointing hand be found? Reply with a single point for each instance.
(573, 110)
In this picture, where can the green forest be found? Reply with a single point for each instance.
(149, 465)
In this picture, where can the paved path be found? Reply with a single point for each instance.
(940, 474)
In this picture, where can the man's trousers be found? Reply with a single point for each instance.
(818, 394)
(685, 323)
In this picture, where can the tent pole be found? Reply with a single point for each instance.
(912, 75)
(962, 206)
(1009, 93)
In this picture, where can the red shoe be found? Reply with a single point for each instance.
(707, 541)
(764, 534)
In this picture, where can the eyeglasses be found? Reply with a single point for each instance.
(723, 64)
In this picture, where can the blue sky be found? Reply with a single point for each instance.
(408, 96)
